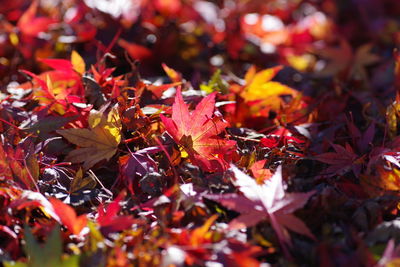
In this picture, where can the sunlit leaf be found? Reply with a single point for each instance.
(97, 143)
(197, 132)
(77, 62)
(68, 217)
(260, 87)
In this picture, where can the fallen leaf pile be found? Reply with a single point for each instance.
(200, 133)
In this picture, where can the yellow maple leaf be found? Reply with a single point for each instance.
(260, 87)
(100, 141)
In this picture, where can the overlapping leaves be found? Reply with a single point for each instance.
(98, 142)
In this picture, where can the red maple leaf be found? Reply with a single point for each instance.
(197, 133)
(109, 219)
(342, 160)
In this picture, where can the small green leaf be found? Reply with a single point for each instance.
(46, 255)
(216, 84)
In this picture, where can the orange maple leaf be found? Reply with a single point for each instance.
(68, 216)
(259, 172)
(197, 133)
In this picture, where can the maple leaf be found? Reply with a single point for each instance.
(10, 168)
(385, 181)
(48, 254)
(259, 87)
(342, 59)
(68, 216)
(268, 200)
(81, 183)
(197, 132)
(110, 221)
(57, 89)
(337, 58)
(280, 137)
(172, 74)
(198, 236)
(215, 84)
(342, 160)
(98, 142)
(29, 199)
(363, 58)
(31, 25)
(136, 165)
(259, 172)
(77, 62)
(136, 51)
